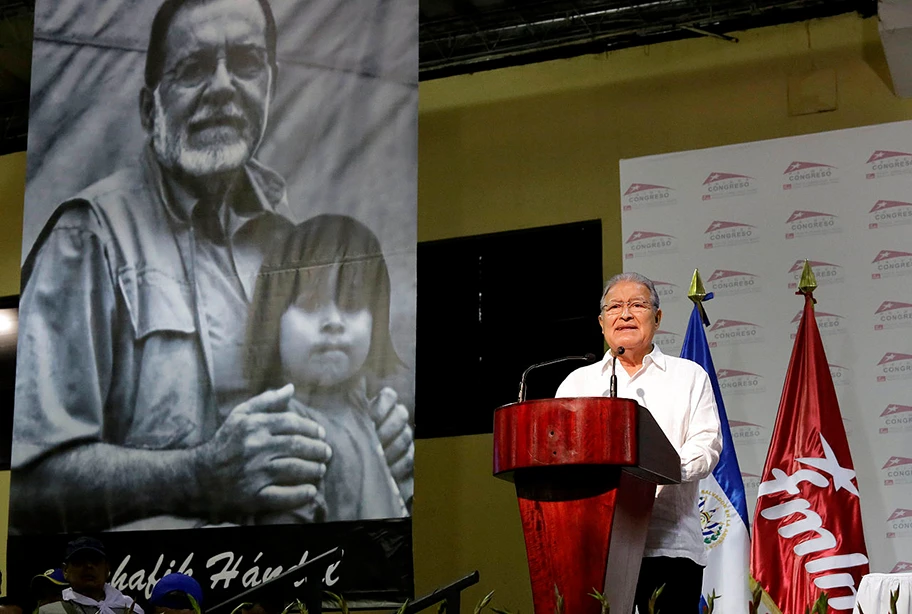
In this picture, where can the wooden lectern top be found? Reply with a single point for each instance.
(578, 431)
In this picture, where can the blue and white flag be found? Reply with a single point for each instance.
(723, 505)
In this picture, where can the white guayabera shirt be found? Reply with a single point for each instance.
(678, 394)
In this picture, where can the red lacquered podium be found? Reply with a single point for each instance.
(585, 471)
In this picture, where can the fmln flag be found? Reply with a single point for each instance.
(723, 505)
(808, 535)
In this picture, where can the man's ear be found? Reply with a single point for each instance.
(146, 108)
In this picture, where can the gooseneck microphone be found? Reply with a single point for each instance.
(613, 386)
(522, 381)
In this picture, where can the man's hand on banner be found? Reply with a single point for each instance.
(396, 437)
(263, 458)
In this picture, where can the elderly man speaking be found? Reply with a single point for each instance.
(678, 394)
(132, 410)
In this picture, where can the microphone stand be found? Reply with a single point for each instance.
(522, 381)
(613, 386)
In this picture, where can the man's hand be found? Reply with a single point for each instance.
(396, 437)
(263, 458)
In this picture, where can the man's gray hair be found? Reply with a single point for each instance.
(636, 278)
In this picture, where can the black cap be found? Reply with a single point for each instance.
(84, 545)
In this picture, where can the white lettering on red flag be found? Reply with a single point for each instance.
(808, 535)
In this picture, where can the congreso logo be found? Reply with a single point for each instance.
(733, 332)
(809, 174)
(894, 366)
(724, 282)
(642, 195)
(751, 484)
(891, 263)
(886, 163)
(897, 470)
(668, 342)
(644, 243)
(733, 381)
(899, 524)
(745, 433)
(893, 314)
(890, 213)
(811, 223)
(896, 418)
(727, 234)
(667, 291)
(727, 185)
(842, 376)
(901, 567)
(827, 323)
(826, 273)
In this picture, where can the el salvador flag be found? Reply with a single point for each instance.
(723, 505)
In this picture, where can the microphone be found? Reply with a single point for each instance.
(522, 381)
(613, 386)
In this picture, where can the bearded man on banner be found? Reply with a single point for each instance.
(808, 535)
(131, 406)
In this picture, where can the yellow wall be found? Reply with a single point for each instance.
(12, 191)
(540, 145)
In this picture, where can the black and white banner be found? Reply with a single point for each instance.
(217, 318)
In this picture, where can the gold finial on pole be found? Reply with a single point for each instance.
(697, 293)
(808, 282)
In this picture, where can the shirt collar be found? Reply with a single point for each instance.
(266, 186)
(655, 357)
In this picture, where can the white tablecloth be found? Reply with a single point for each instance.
(874, 593)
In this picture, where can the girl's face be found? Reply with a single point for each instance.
(322, 343)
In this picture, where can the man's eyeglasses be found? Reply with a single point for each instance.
(635, 306)
(244, 62)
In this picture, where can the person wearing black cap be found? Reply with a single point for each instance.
(177, 593)
(85, 567)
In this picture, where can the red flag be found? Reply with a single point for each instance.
(808, 536)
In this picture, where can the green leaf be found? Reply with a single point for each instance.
(441, 607)
(340, 601)
(606, 607)
(710, 602)
(652, 600)
(301, 607)
(193, 604)
(402, 608)
(820, 606)
(481, 605)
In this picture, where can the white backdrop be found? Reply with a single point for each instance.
(747, 216)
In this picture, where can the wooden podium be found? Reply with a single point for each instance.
(585, 471)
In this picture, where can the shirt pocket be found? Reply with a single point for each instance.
(167, 374)
(156, 302)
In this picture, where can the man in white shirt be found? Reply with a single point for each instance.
(678, 394)
(85, 567)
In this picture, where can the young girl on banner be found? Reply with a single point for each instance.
(320, 320)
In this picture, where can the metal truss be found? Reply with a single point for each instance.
(524, 32)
